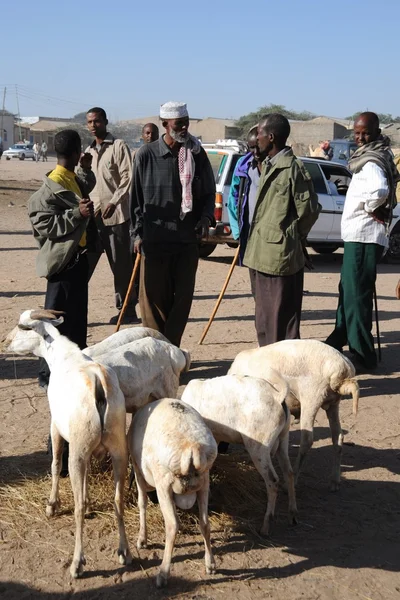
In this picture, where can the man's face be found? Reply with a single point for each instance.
(96, 124)
(365, 132)
(178, 129)
(264, 141)
(149, 134)
(252, 145)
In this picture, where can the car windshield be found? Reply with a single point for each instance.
(218, 162)
(18, 147)
(343, 151)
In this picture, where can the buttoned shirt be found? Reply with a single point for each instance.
(157, 196)
(112, 166)
(368, 190)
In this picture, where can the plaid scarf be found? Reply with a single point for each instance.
(186, 167)
(380, 153)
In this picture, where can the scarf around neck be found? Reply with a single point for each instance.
(186, 167)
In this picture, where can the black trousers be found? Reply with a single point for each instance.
(166, 290)
(278, 306)
(68, 291)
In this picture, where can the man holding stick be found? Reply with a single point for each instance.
(172, 206)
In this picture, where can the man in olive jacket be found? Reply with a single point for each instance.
(286, 209)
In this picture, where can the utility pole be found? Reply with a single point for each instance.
(2, 115)
(19, 116)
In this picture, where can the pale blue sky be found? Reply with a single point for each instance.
(224, 58)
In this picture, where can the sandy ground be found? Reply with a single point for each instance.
(346, 545)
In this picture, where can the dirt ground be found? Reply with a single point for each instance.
(345, 546)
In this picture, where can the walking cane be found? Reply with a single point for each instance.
(216, 307)
(378, 337)
(129, 292)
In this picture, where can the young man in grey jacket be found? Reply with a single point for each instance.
(59, 213)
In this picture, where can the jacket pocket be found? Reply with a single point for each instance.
(270, 234)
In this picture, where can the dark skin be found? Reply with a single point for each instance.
(252, 145)
(97, 125)
(85, 161)
(366, 130)
(268, 143)
(178, 127)
(150, 133)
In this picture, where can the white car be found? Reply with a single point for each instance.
(20, 151)
(324, 236)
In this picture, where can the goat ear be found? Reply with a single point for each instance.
(47, 314)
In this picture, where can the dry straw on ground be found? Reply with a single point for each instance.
(238, 498)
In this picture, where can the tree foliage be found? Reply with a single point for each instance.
(129, 132)
(247, 121)
(384, 118)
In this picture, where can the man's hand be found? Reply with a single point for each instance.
(86, 161)
(398, 290)
(109, 211)
(202, 227)
(137, 246)
(86, 207)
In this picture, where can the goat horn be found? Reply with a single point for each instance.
(46, 314)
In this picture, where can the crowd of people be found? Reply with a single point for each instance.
(160, 203)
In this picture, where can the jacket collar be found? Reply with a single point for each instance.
(57, 191)
(109, 139)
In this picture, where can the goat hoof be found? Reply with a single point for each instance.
(141, 544)
(161, 581)
(51, 509)
(124, 557)
(76, 570)
(211, 569)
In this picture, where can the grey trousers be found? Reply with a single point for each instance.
(115, 240)
(278, 305)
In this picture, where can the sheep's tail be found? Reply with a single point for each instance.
(350, 387)
(100, 399)
(193, 455)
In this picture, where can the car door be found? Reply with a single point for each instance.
(341, 177)
(322, 228)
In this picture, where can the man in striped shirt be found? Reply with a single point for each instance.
(365, 220)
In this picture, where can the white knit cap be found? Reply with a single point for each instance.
(173, 110)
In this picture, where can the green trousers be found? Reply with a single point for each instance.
(354, 313)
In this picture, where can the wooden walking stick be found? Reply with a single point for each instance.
(216, 307)
(378, 336)
(129, 292)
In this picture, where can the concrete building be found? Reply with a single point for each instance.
(44, 130)
(6, 128)
(309, 133)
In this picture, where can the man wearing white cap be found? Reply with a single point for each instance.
(172, 206)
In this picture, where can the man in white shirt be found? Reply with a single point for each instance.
(366, 218)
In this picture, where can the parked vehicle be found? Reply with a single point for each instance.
(20, 151)
(324, 236)
(343, 150)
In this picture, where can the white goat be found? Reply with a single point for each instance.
(250, 411)
(318, 376)
(172, 451)
(122, 337)
(87, 410)
(147, 369)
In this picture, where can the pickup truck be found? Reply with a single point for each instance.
(324, 236)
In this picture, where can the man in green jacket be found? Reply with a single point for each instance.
(286, 209)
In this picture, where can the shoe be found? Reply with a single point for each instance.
(129, 319)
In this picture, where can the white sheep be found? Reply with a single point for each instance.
(87, 410)
(122, 337)
(172, 451)
(318, 376)
(147, 369)
(250, 411)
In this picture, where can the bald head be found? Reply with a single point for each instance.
(150, 133)
(366, 128)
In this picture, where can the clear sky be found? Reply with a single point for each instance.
(224, 58)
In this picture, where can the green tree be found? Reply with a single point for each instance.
(384, 118)
(247, 121)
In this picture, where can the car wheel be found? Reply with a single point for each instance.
(324, 249)
(206, 249)
(22, 157)
(7, 158)
(392, 255)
